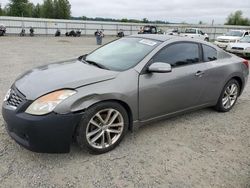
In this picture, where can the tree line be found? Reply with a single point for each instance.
(61, 9)
(58, 9)
(237, 18)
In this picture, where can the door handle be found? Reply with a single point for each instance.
(199, 73)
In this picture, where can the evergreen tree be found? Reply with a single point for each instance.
(63, 9)
(236, 18)
(19, 8)
(48, 9)
(37, 11)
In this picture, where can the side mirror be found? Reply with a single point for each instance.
(160, 67)
(82, 57)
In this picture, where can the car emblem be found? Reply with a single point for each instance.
(7, 96)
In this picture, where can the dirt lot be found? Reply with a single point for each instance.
(200, 149)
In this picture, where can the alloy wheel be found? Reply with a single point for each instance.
(230, 95)
(105, 128)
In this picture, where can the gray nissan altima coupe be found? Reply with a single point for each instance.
(96, 99)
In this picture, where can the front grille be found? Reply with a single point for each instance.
(15, 98)
(224, 41)
(237, 48)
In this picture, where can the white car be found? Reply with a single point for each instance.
(230, 37)
(241, 48)
(195, 33)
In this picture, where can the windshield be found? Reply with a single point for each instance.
(122, 54)
(234, 33)
(245, 39)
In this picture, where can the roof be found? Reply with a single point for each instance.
(159, 37)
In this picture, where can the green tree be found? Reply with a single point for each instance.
(62, 9)
(145, 20)
(37, 11)
(19, 8)
(236, 18)
(124, 20)
(2, 12)
(48, 9)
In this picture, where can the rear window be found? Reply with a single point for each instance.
(209, 53)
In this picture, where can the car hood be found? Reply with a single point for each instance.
(240, 45)
(228, 38)
(70, 74)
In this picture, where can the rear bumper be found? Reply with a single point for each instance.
(50, 133)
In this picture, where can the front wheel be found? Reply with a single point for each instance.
(102, 128)
(228, 96)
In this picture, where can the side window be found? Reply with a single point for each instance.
(153, 30)
(209, 53)
(200, 32)
(179, 54)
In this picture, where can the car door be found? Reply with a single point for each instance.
(165, 93)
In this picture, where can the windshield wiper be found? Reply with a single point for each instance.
(95, 64)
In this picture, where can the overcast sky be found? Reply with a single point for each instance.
(191, 11)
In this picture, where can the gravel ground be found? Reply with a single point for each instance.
(199, 149)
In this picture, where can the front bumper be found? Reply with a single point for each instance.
(222, 45)
(51, 133)
(242, 53)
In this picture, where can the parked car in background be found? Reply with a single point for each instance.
(230, 37)
(73, 33)
(128, 82)
(195, 33)
(173, 32)
(149, 29)
(2, 30)
(120, 34)
(241, 48)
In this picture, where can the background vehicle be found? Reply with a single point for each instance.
(175, 32)
(22, 33)
(230, 37)
(72, 33)
(120, 34)
(127, 82)
(241, 48)
(2, 30)
(149, 29)
(58, 33)
(32, 31)
(195, 33)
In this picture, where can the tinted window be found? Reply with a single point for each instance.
(179, 54)
(210, 54)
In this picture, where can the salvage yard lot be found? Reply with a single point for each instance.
(200, 149)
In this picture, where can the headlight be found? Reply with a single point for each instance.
(228, 47)
(247, 49)
(233, 41)
(47, 103)
(7, 96)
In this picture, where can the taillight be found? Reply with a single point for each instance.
(246, 63)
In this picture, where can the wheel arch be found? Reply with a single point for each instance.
(240, 81)
(122, 103)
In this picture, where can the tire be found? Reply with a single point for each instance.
(107, 136)
(206, 39)
(229, 96)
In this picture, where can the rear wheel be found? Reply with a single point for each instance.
(102, 128)
(228, 96)
(207, 39)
